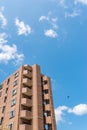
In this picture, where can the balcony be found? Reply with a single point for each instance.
(26, 102)
(46, 96)
(26, 114)
(25, 127)
(27, 67)
(27, 73)
(27, 82)
(48, 120)
(27, 91)
(45, 87)
(47, 107)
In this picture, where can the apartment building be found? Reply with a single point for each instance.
(26, 101)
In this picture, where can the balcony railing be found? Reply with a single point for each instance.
(27, 67)
(26, 114)
(48, 120)
(26, 102)
(27, 91)
(46, 96)
(27, 82)
(47, 107)
(45, 87)
(25, 127)
(27, 73)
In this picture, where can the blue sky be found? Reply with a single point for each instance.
(53, 34)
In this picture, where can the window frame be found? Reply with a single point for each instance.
(12, 114)
(14, 92)
(13, 102)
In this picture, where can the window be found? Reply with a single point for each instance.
(8, 81)
(1, 86)
(14, 92)
(46, 102)
(46, 126)
(45, 91)
(5, 99)
(44, 82)
(10, 126)
(47, 113)
(3, 109)
(16, 74)
(15, 82)
(30, 122)
(13, 102)
(12, 113)
(0, 93)
(6, 90)
(1, 121)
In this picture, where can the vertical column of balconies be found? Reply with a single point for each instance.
(49, 116)
(26, 99)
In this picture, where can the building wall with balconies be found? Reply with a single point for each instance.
(26, 101)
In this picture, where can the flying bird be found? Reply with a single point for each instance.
(68, 97)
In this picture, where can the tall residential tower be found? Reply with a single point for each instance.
(26, 101)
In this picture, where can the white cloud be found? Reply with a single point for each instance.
(54, 22)
(42, 18)
(59, 113)
(8, 52)
(73, 14)
(54, 19)
(80, 109)
(63, 3)
(23, 29)
(3, 20)
(81, 1)
(50, 33)
(51, 21)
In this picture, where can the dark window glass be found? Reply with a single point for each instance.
(15, 82)
(12, 113)
(6, 90)
(8, 81)
(44, 82)
(1, 85)
(3, 109)
(1, 121)
(16, 74)
(5, 99)
(14, 92)
(13, 102)
(10, 126)
(0, 93)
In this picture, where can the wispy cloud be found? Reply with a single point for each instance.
(73, 14)
(80, 109)
(84, 2)
(8, 52)
(42, 18)
(52, 21)
(2, 18)
(62, 3)
(59, 112)
(50, 33)
(23, 29)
